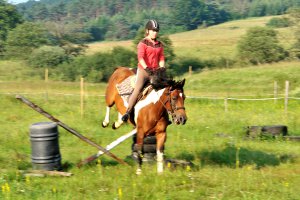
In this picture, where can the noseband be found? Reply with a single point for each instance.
(172, 102)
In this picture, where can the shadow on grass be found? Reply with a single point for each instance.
(231, 154)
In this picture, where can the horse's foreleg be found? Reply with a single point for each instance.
(160, 140)
(106, 119)
(118, 123)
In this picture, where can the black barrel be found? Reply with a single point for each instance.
(45, 154)
(149, 148)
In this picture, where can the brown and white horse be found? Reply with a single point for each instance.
(151, 113)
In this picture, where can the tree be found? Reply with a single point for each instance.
(9, 19)
(294, 15)
(212, 14)
(187, 14)
(26, 37)
(260, 45)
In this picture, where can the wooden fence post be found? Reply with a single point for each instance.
(81, 96)
(226, 104)
(190, 70)
(286, 98)
(46, 83)
(275, 91)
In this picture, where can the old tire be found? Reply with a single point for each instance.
(272, 130)
(147, 140)
(147, 148)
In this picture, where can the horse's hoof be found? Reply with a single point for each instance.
(103, 125)
(114, 126)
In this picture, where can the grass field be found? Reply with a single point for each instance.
(227, 165)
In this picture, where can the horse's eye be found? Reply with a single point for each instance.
(174, 98)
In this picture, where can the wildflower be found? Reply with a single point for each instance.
(7, 187)
(188, 168)
(27, 180)
(120, 193)
(169, 165)
(98, 162)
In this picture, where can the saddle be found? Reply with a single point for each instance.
(126, 87)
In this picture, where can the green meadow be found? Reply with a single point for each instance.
(226, 163)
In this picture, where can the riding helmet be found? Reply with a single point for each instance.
(152, 25)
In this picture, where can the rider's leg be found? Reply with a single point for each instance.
(141, 77)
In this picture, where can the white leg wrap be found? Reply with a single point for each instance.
(160, 161)
(138, 171)
(119, 122)
(106, 119)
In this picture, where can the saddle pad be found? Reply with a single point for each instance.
(125, 88)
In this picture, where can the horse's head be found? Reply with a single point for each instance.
(176, 102)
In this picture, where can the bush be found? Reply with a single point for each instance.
(47, 56)
(260, 45)
(97, 67)
(279, 22)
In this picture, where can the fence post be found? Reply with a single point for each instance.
(275, 91)
(226, 104)
(46, 83)
(286, 98)
(190, 70)
(81, 96)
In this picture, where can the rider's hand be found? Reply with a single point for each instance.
(149, 71)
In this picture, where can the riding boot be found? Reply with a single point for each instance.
(125, 117)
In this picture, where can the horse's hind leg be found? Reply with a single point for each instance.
(106, 119)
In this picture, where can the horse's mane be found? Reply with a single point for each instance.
(161, 79)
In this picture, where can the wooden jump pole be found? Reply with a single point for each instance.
(69, 129)
(108, 147)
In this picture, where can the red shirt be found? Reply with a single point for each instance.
(151, 52)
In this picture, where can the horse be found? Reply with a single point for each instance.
(151, 112)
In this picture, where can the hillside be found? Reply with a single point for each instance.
(206, 43)
(203, 43)
(252, 81)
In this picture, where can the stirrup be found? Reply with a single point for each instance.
(125, 117)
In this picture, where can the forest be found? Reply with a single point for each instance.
(118, 19)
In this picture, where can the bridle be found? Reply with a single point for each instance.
(172, 102)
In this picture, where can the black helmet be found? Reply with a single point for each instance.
(152, 25)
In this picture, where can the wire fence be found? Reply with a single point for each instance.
(83, 94)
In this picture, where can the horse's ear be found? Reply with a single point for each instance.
(182, 82)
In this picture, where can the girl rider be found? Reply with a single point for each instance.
(150, 54)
